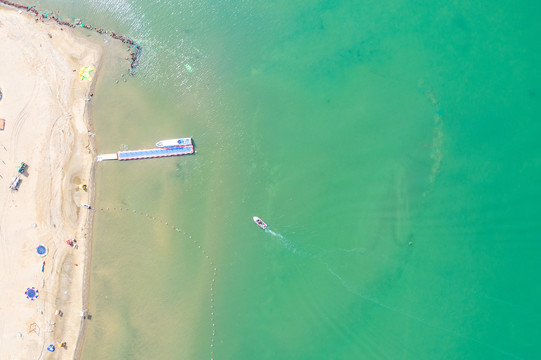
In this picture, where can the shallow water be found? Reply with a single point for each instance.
(391, 147)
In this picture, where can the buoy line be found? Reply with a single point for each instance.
(187, 236)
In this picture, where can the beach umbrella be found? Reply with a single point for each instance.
(42, 250)
(50, 348)
(85, 71)
(32, 293)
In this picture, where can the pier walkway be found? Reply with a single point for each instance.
(148, 153)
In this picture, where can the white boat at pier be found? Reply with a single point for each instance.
(174, 142)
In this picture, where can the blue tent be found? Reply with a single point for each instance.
(50, 348)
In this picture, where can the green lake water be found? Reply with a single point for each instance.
(392, 147)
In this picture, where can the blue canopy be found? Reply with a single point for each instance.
(31, 293)
(42, 250)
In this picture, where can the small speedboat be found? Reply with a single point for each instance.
(260, 222)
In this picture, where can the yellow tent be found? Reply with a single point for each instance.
(85, 71)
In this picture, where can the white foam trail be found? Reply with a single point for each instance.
(288, 244)
(315, 252)
(347, 251)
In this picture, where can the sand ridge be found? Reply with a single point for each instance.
(46, 127)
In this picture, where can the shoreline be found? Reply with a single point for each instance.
(135, 49)
(47, 126)
(85, 291)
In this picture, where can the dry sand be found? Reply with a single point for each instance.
(47, 127)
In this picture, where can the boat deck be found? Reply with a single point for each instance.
(185, 141)
(175, 142)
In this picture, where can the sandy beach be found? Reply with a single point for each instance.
(47, 127)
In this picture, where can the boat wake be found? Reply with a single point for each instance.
(322, 258)
(287, 244)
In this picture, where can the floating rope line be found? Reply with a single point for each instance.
(187, 236)
(135, 49)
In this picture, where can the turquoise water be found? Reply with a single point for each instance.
(391, 147)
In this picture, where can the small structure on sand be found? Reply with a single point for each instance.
(33, 328)
(42, 250)
(32, 293)
(15, 182)
(85, 71)
(22, 168)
